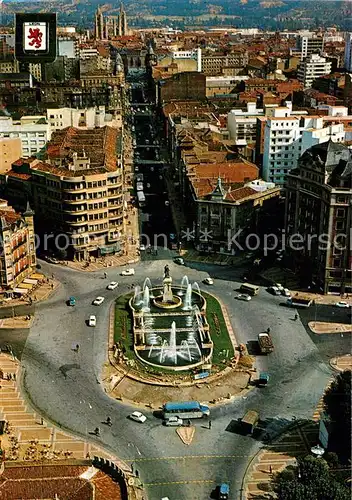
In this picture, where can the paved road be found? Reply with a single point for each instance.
(65, 386)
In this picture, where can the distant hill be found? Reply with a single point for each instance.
(266, 14)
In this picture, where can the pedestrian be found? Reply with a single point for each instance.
(268, 330)
(137, 473)
(41, 421)
(52, 286)
(132, 468)
(77, 347)
(108, 421)
(97, 431)
(14, 376)
(270, 469)
(296, 317)
(209, 424)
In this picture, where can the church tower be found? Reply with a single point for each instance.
(122, 22)
(99, 25)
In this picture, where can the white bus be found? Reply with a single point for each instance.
(250, 289)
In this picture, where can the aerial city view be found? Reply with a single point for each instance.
(175, 250)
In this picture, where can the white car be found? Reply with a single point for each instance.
(342, 304)
(180, 261)
(128, 272)
(92, 320)
(98, 301)
(142, 247)
(208, 281)
(112, 285)
(286, 292)
(244, 296)
(174, 421)
(137, 416)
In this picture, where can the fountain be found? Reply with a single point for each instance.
(187, 303)
(146, 300)
(137, 296)
(184, 285)
(169, 322)
(148, 283)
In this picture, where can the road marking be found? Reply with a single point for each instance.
(194, 481)
(193, 457)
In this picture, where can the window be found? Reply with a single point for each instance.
(340, 212)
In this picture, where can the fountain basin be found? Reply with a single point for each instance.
(176, 302)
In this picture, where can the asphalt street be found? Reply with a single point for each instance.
(66, 386)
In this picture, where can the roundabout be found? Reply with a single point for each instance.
(67, 387)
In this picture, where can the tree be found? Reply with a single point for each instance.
(337, 404)
(310, 479)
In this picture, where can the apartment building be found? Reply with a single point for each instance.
(33, 131)
(283, 142)
(222, 85)
(77, 192)
(213, 63)
(242, 124)
(86, 118)
(10, 151)
(319, 202)
(309, 43)
(311, 68)
(17, 247)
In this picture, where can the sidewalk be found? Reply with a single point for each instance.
(320, 327)
(41, 293)
(16, 322)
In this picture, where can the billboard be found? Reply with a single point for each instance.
(35, 38)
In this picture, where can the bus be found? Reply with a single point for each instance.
(185, 409)
(250, 289)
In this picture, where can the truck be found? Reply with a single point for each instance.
(250, 421)
(299, 300)
(265, 343)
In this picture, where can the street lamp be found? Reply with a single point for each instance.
(86, 418)
(318, 451)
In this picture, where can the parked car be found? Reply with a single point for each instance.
(173, 421)
(72, 301)
(342, 304)
(137, 416)
(286, 292)
(142, 247)
(180, 261)
(224, 491)
(92, 320)
(112, 285)
(274, 290)
(98, 301)
(243, 296)
(128, 272)
(208, 281)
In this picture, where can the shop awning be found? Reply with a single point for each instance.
(27, 286)
(30, 281)
(20, 290)
(37, 276)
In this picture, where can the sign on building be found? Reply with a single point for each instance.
(35, 38)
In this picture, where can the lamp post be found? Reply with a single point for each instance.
(86, 418)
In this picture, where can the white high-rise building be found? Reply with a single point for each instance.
(311, 68)
(309, 43)
(33, 131)
(348, 53)
(287, 136)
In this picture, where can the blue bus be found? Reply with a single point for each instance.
(185, 409)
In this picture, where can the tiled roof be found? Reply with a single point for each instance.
(47, 481)
(240, 193)
(10, 215)
(98, 144)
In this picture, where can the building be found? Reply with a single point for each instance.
(111, 26)
(10, 151)
(242, 124)
(225, 209)
(319, 209)
(33, 131)
(311, 68)
(310, 43)
(222, 85)
(348, 53)
(214, 63)
(17, 247)
(182, 86)
(86, 118)
(283, 141)
(77, 192)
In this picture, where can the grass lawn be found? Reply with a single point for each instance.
(218, 330)
(123, 325)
